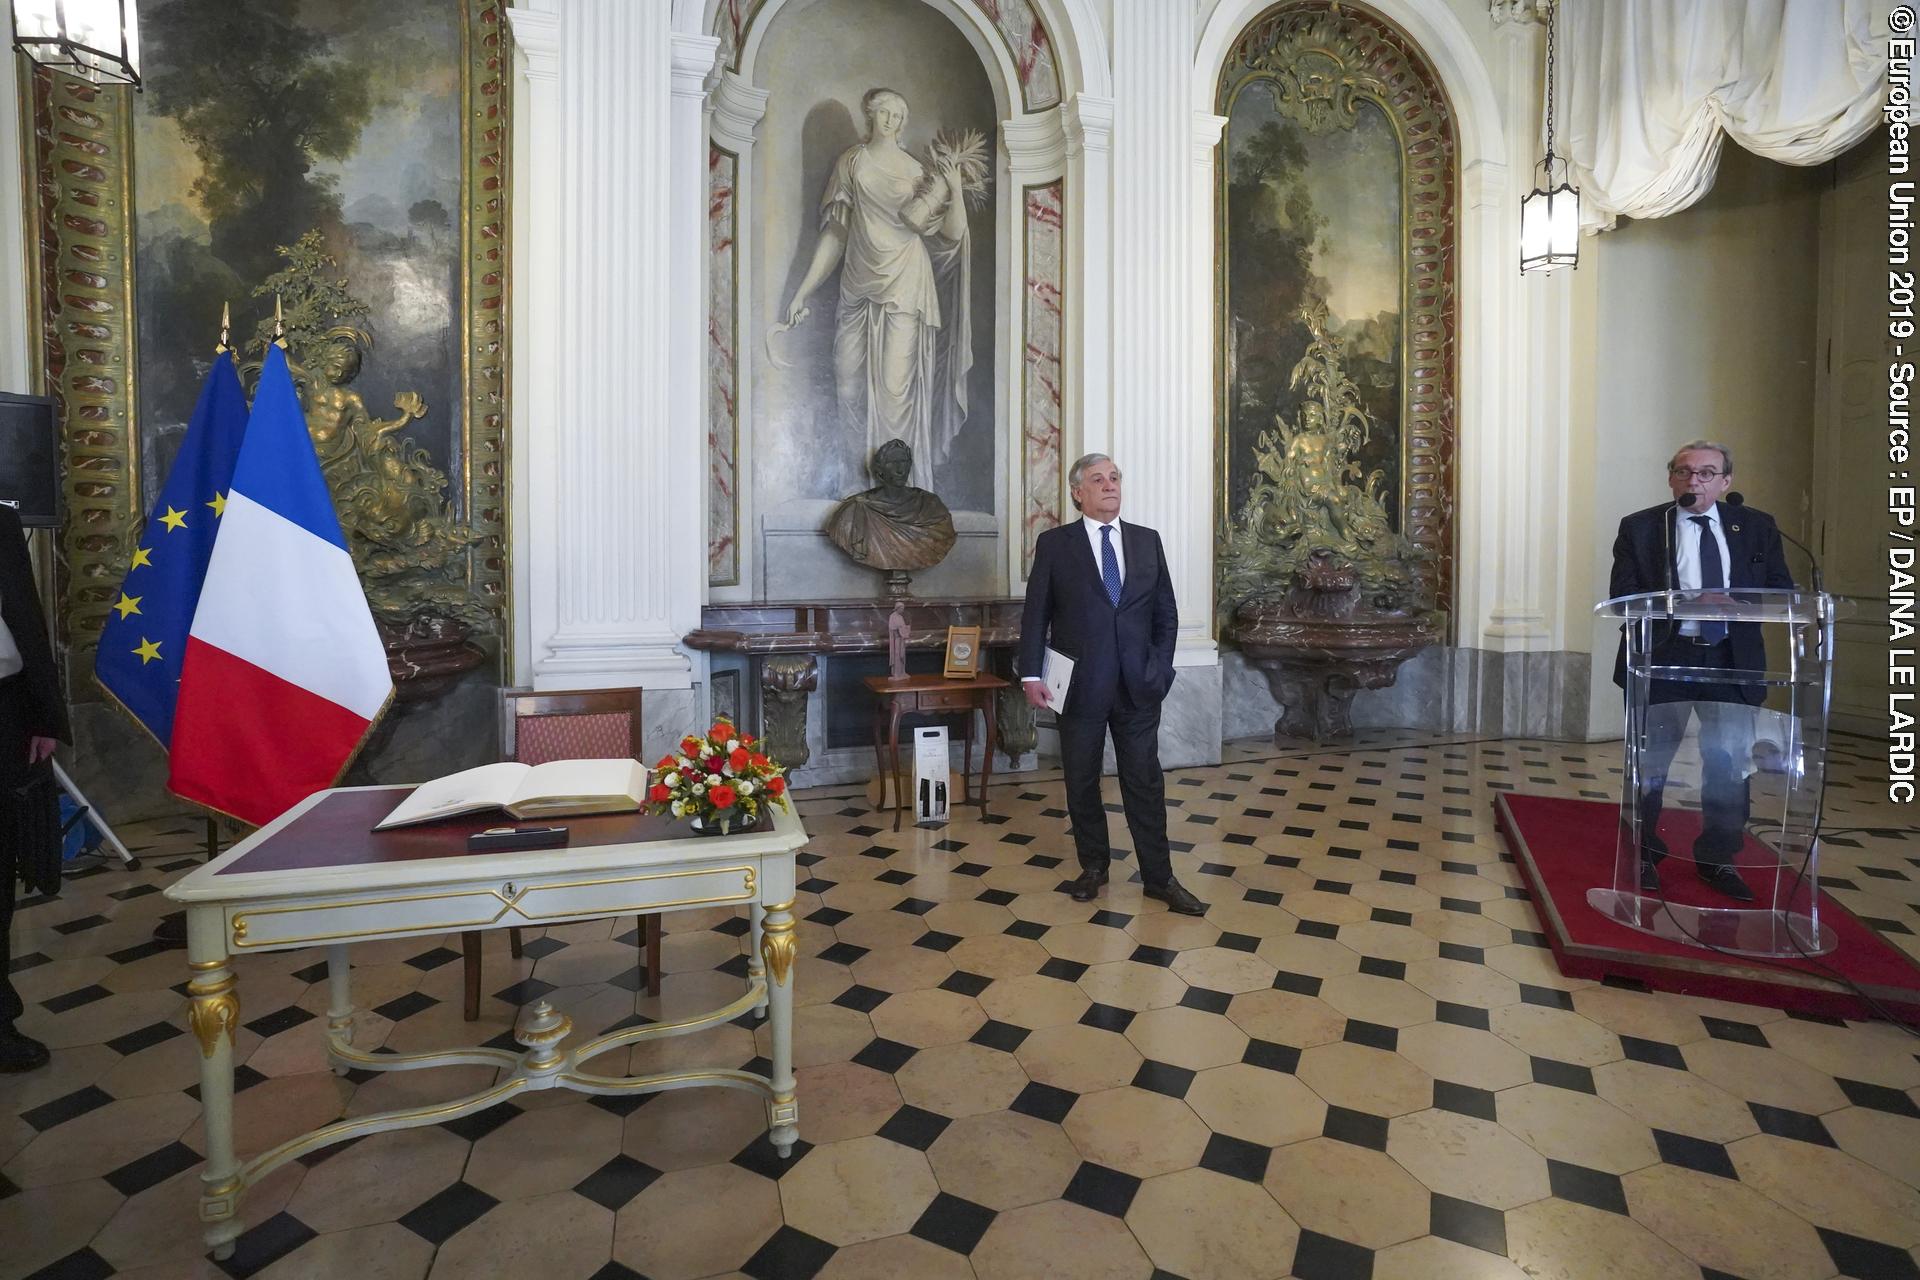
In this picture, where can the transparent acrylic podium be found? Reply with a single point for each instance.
(1712, 779)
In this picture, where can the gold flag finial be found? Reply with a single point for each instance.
(279, 328)
(226, 323)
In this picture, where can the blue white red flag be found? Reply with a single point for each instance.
(285, 673)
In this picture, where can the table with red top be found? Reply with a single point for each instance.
(319, 875)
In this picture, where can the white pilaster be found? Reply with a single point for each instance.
(534, 255)
(1162, 436)
(613, 544)
(1512, 454)
(1087, 417)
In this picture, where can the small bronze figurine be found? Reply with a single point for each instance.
(897, 631)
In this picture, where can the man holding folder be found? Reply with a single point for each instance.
(1099, 594)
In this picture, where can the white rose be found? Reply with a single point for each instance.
(677, 808)
(699, 788)
(746, 787)
(713, 779)
(671, 780)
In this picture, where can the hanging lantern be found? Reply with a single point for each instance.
(97, 40)
(1550, 215)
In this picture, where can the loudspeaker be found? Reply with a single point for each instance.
(30, 459)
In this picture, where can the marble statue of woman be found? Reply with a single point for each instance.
(903, 343)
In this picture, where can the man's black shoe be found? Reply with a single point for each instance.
(20, 1053)
(1727, 881)
(1649, 878)
(1652, 850)
(1086, 885)
(1178, 900)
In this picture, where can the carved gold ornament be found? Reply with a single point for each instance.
(214, 1013)
(778, 944)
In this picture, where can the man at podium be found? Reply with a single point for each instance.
(1699, 542)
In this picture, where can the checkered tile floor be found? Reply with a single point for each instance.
(1361, 1063)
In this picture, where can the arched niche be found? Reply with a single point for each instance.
(1336, 184)
(1021, 348)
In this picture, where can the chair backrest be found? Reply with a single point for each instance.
(580, 724)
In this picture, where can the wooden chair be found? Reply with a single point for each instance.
(584, 724)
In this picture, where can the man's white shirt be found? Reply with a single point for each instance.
(1119, 552)
(1686, 553)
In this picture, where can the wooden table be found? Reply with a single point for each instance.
(895, 697)
(319, 876)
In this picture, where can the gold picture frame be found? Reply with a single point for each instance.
(963, 653)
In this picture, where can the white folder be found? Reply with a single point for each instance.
(1057, 671)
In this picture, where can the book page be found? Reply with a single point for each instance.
(488, 787)
(571, 782)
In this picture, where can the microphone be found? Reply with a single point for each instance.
(1738, 499)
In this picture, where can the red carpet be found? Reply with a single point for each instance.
(1565, 847)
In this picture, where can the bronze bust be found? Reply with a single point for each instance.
(893, 526)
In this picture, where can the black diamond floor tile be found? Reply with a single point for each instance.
(953, 1223)
(789, 1254)
(1465, 1222)
(1590, 1187)
(1101, 1189)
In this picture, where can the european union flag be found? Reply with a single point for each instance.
(145, 638)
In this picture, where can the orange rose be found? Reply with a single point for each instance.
(737, 758)
(746, 739)
(758, 761)
(721, 732)
(776, 786)
(722, 796)
(666, 763)
(659, 793)
(689, 746)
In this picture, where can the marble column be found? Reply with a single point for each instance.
(1162, 427)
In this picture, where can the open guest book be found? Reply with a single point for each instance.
(559, 788)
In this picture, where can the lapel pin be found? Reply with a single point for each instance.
(1734, 527)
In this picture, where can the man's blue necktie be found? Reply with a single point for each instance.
(1713, 575)
(1109, 565)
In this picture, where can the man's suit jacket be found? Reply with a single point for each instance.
(1644, 560)
(1129, 647)
(39, 709)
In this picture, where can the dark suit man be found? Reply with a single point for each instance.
(1698, 547)
(32, 717)
(1099, 593)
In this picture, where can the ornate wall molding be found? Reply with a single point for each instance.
(1018, 22)
(82, 253)
(1321, 58)
(486, 145)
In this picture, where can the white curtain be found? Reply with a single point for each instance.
(1647, 88)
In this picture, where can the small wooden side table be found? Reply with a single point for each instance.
(930, 693)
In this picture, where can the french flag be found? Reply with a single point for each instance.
(284, 672)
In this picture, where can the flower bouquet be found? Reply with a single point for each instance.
(718, 781)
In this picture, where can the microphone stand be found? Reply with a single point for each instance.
(1738, 499)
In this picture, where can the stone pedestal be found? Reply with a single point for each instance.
(1314, 666)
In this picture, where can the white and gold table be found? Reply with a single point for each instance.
(320, 876)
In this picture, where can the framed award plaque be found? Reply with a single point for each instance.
(963, 653)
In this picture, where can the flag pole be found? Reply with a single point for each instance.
(279, 329)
